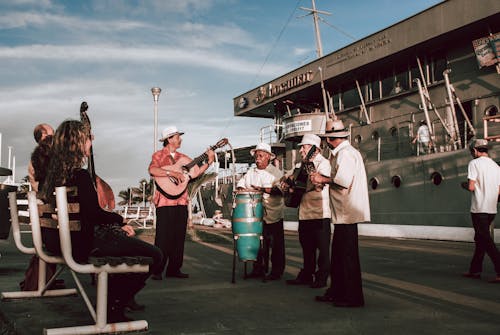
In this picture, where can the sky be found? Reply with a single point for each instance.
(201, 53)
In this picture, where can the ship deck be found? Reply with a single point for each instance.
(410, 287)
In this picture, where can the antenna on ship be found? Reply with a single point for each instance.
(314, 12)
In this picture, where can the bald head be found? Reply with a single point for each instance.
(41, 131)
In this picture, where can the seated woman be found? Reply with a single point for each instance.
(102, 233)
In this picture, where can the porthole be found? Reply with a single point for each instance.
(396, 181)
(491, 110)
(436, 178)
(374, 183)
(357, 139)
(375, 135)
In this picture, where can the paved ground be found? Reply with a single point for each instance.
(410, 286)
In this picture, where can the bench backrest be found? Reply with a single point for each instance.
(48, 212)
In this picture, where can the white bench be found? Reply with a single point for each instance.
(102, 267)
(19, 214)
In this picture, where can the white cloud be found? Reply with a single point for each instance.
(109, 53)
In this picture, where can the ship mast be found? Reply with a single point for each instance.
(314, 12)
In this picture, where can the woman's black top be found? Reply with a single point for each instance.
(91, 214)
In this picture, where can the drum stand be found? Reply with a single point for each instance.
(261, 247)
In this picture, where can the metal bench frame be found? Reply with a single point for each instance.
(42, 290)
(99, 314)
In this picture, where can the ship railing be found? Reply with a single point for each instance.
(487, 120)
(271, 134)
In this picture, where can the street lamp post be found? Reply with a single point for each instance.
(156, 95)
(144, 193)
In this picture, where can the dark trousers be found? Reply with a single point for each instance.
(483, 243)
(314, 238)
(171, 223)
(274, 239)
(114, 242)
(346, 286)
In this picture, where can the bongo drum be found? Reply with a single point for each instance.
(247, 224)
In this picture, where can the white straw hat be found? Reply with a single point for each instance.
(263, 147)
(311, 139)
(169, 132)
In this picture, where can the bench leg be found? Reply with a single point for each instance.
(100, 316)
(132, 326)
(42, 286)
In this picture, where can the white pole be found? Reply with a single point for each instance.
(10, 156)
(156, 95)
(13, 169)
(144, 193)
(0, 149)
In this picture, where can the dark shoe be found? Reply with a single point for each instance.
(347, 304)
(318, 284)
(178, 274)
(272, 276)
(324, 298)
(156, 277)
(132, 305)
(495, 280)
(255, 274)
(117, 314)
(299, 281)
(472, 275)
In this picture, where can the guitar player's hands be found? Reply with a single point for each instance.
(319, 180)
(210, 156)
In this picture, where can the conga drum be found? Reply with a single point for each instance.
(247, 224)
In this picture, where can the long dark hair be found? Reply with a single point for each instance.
(66, 156)
(40, 158)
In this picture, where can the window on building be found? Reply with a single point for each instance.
(351, 98)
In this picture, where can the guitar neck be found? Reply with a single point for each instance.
(199, 159)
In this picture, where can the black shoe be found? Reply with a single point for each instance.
(318, 284)
(156, 277)
(472, 275)
(255, 274)
(116, 313)
(324, 298)
(273, 276)
(177, 274)
(132, 305)
(298, 281)
(347, 304)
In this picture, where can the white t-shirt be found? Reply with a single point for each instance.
(486, 174)
(268, 177)
(423, 134)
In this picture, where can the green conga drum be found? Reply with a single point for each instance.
(247, 223)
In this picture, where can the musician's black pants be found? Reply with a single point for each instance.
(314, 235)
(346, 284)
(171, 223)
(274, 239)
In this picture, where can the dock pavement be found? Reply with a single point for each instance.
(410, 287)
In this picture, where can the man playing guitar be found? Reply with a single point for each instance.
(171, 210)
(314, 217)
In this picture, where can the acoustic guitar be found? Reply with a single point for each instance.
(173, 188)
(298, 181)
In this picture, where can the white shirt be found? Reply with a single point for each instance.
(423, 134)
(268, 177)
(486, 175)
(314, 204)
(350, 204)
